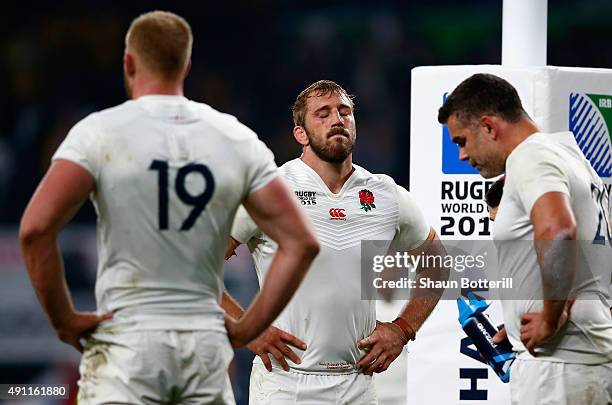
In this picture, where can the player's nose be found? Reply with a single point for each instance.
(462, 154)
(338, 118)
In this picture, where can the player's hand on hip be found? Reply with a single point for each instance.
(383, 346)
(535, 329)
(79, 326)
(276, 342)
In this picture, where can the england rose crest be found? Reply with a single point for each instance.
(366, 198)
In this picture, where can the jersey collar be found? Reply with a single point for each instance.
(352, 178)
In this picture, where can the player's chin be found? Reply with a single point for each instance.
(341, 147)
(488, 173)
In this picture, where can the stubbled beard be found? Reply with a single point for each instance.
(490, 168)
(331, 150)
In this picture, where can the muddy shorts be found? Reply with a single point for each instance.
(156, 367)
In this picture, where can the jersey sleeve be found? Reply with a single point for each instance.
(262, 169)
(535, 172)
(413, 228)
(244, 228)
(81, 145)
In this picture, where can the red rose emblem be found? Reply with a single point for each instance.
(366, 198)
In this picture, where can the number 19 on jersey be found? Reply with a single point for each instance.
(198, 201)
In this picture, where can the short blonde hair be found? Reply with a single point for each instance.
(317, 89)
(163, 41)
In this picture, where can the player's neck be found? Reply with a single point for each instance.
(145, 87)
(518, 133)
(334, 175)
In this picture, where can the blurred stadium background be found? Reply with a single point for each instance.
(61, 61)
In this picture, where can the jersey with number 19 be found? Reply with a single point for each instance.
(169, 175)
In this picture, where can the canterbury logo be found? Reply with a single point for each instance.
(337, 213)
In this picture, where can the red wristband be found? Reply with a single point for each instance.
(405, 327)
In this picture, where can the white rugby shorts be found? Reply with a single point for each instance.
(281, 387)
(546, 382)
(152, 367)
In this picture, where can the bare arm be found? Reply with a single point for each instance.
(554, 240)
(59, 195)
(231, 306)
(422, 305)
(272, 341)
(388, 339)
(554, 226)
(276, 213)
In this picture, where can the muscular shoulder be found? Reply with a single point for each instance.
(293, 170)
(116, 116)
(527, 159)
(537, 166)
(91, 123)
(378, 182)
(412, 227)
(226, 124)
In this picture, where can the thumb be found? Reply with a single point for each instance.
(500, 336)
(97, 319)
(88, 323)
(105, 317)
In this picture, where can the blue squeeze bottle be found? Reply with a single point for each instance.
(480, 330)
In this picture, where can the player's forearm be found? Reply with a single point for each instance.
(44, 266)
(553, 309)
(555, 234)
(418, 310)
(283, 278)
(231, 306)
(557, 253)
(424, 300)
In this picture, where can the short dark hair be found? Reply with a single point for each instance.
(494, 194)
(482, 94)
(317, 89)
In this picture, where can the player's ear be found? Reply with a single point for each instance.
(129, 65)
(187, 69)
(490, 124)
(299, 133)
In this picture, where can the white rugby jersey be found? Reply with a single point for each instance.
(554, 163)
(169, 175)
(327, 311)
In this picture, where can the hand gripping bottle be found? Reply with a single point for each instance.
(480, 330)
